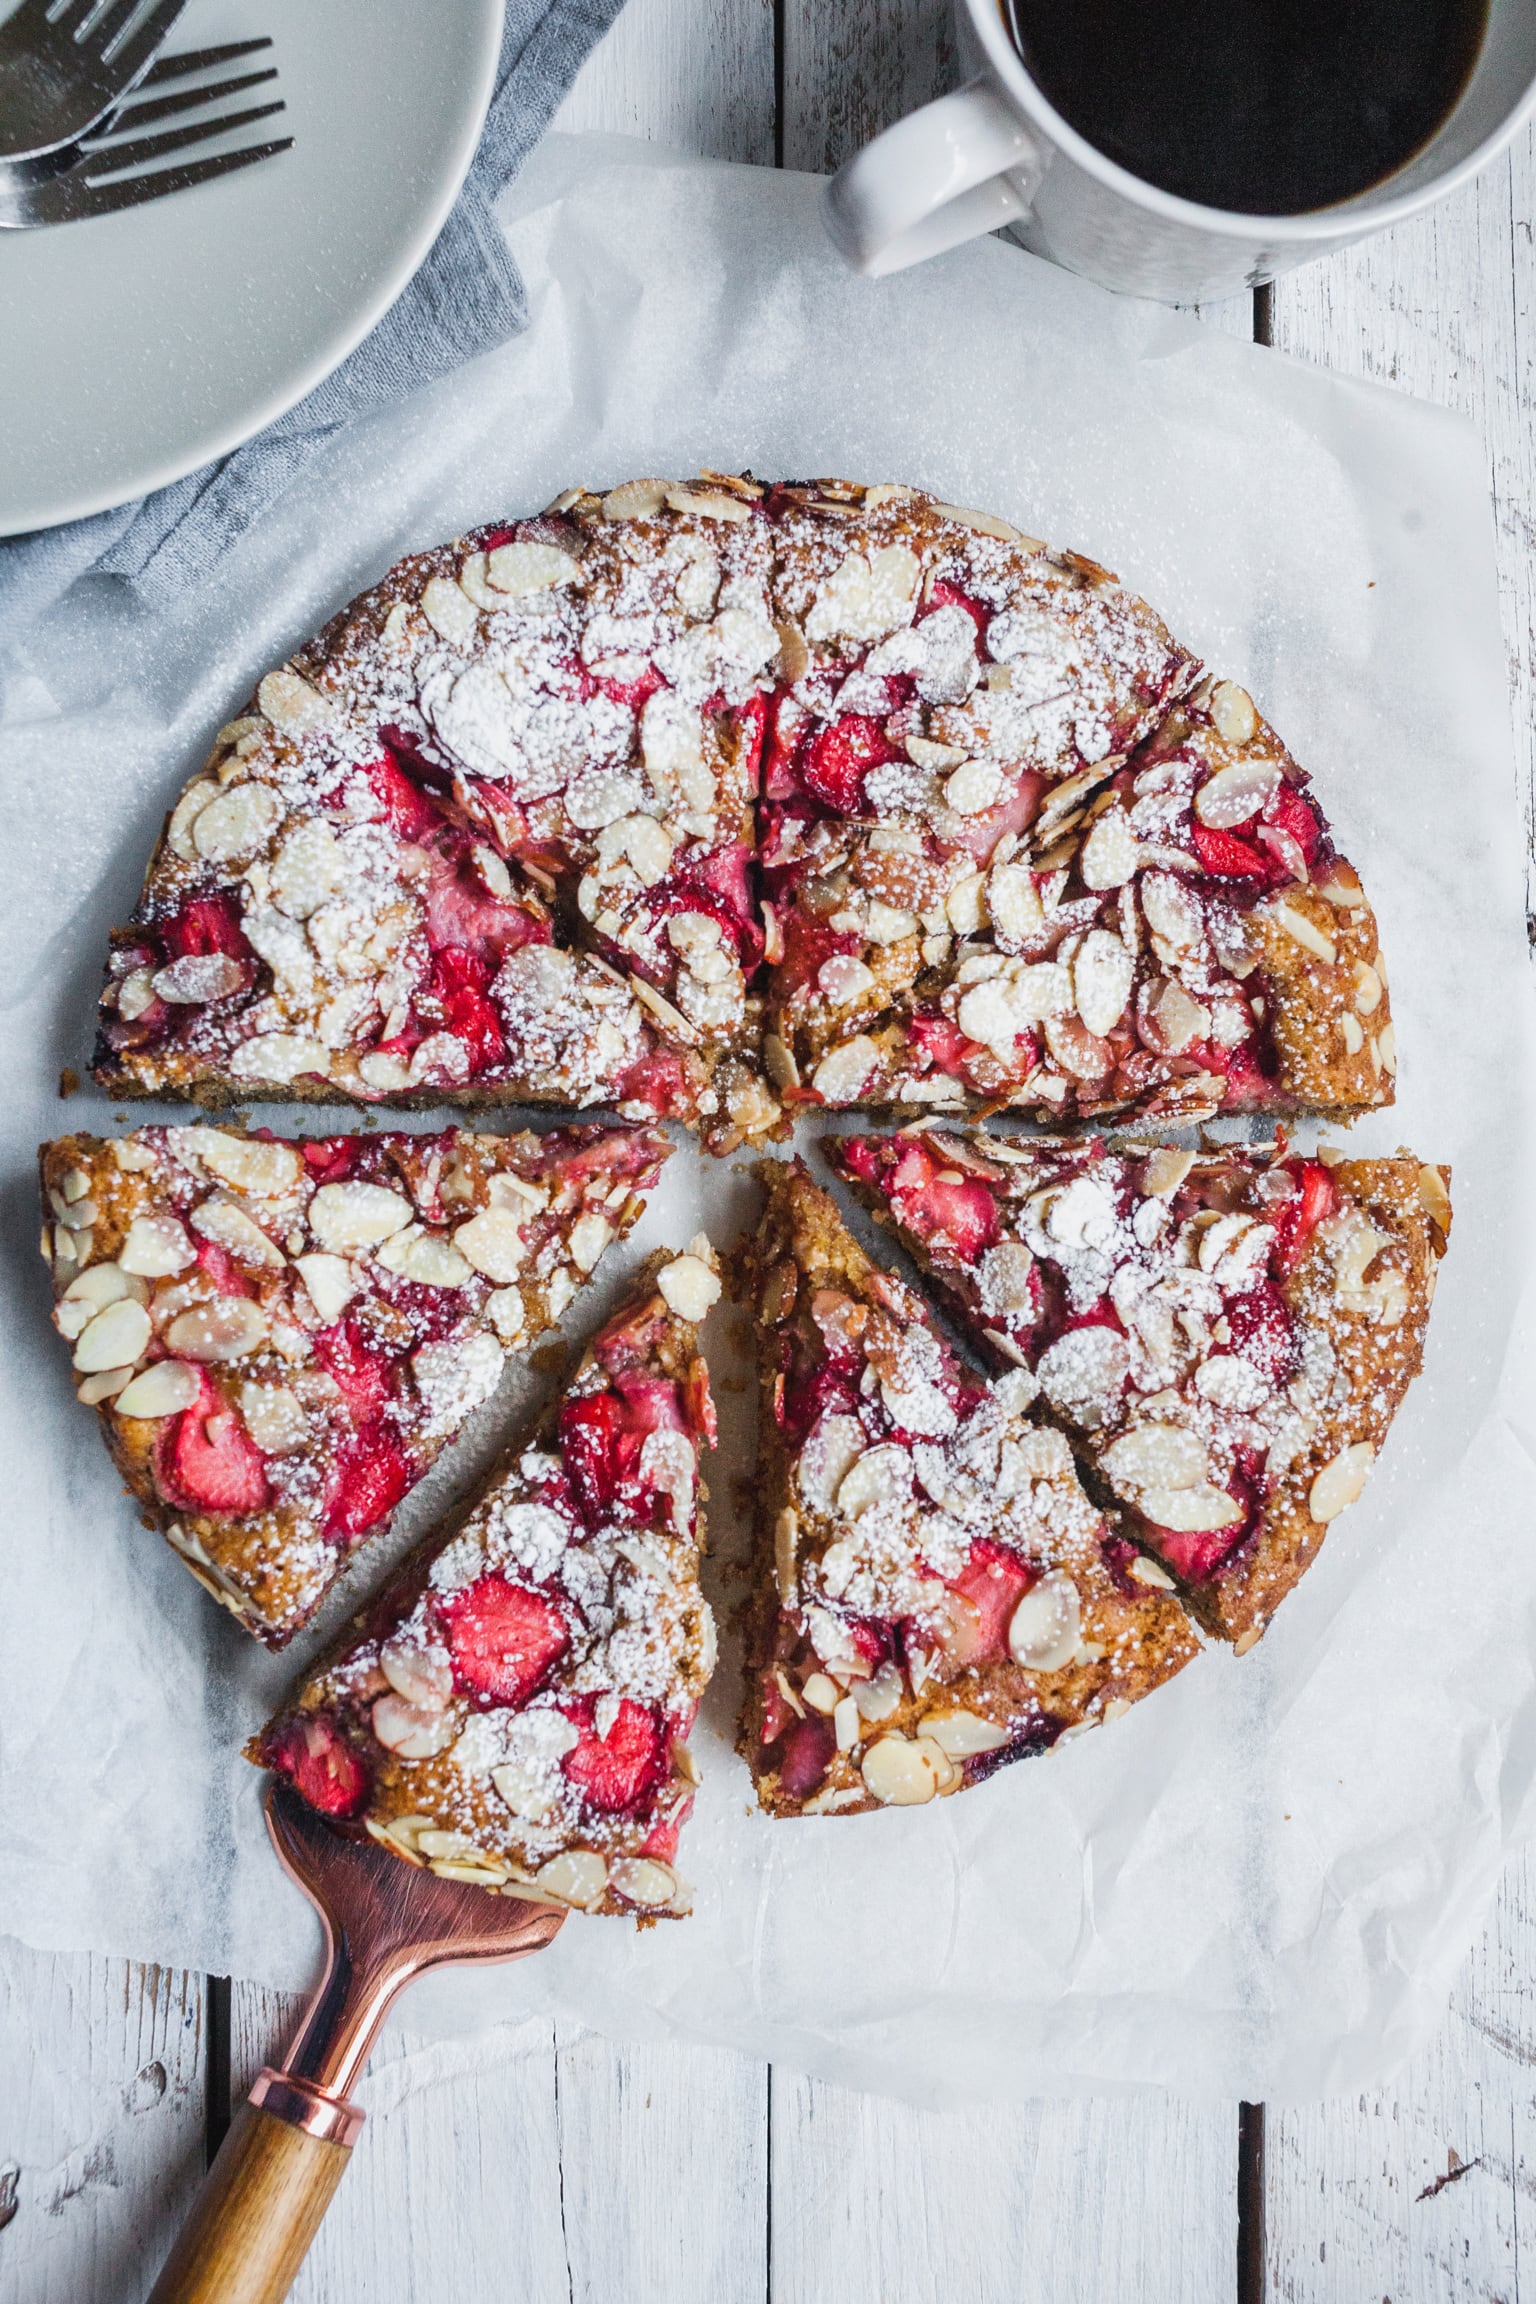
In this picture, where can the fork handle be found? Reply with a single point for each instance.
(262, 2201)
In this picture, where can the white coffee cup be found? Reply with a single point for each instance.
(996, 153)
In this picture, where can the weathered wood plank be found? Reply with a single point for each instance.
(101, 2122)
(517, 2164)
(877, 2203)
(697, 74)
(851, 70)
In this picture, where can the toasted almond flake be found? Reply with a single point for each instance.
(982, 524)
(280, 1056)
(821, 1693)
(1046, 1626)
(1232, 711)
(226, 1223)
(251, 1164)
(1341, 1481)
(522, 567)
(901, 1773)
(1110, 854)
(846, 1070)
(1234, 795)
(663, 1010)
(1342, 888)
(274, 1417)
(116, 1338)
(1153, 1574)
(846, 1724)
(1352, 1033)
(708, 504)
(225, 1328)
(189, 807)
(786, 1531)
(291, 704)
(635, 500)
(493, 1243)
(782, 1069)
(1386, 1049)
(1368, 988)
(690, 1286)
(961, 1735)
(1302, 931)
(412, 1731)
(1434, 1198)
(1166, 1170)
(590, 1235)
(641, 1880)
(344, 1217)
(102, 1386)
(450, 612)
(974, 787)
(578, 1877)
(331, 1283)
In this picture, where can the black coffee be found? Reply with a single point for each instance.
(1270, 107)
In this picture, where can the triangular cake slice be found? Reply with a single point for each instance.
(280, 1337)
(1227, 1335)
(934, 1595)
(1167, 935)
(515, 1706)
(488, 836)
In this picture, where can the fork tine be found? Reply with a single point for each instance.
(113, 159)
(139, 115)
(131, 54)
(199, 60)
(104, 19)
(131, 191)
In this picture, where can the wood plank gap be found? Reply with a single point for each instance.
(565, 2235)
(217, 2104)
(768, 2186)
(1264, 313)
(780, 8)
(1250, 2198)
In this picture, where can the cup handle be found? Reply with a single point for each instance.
(938, 177)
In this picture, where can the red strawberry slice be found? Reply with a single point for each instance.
(1298, 1218)
(616, 1771)
(807, 944)
(987, 1591)
(634, 693)
(362, 1376)
(223, 1271)
(808, 1748)
(1263, 1332)
(659, 1080)
(946, 595)
(1195, 1558)
(661, 1841)
(599, 1453)
(838, 758)
(320, 1764)
(371, 1474)
(408, 809)
(332, 1159)
(1229, 858)
(502, 1638)
(1289, 812)
(458, 986)
(206, 1461)
(207, 924)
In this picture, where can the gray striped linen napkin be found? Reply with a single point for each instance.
(465, 299)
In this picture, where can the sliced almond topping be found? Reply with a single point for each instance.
(331, 1283)
(1153, 1574)
(641, 1880)
(635, 500)
(450, 612)
(116, 1338)
(226, 1328)
(493, 1243)
(1302, 931)
(409, 1731)
(1166, 1170)
(1111, 852)
(707, 504)
(1434, 1198)
(250, 1163)
(690, 1286)
(103, 1386)
(983, 524)
(578, 1877)
(236, 824)
(846, 1071)
(1341, 1481)
(1368, 988)
(344, 1217)
(523, 567)
(1232, 711)
(821, 1693)
(961, 1735)
(903, 1774)
(1235, 795)
(290, 703)
(1046, 1626)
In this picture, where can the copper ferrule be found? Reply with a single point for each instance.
(302, 2105)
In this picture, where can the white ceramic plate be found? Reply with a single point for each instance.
(135, 347)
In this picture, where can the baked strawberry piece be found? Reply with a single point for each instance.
(280, 1337)
(934, 1595)
(1226, 1335)
(487, 838)
(515, 1708)
(1171, 934)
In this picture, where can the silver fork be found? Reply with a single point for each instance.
(65, 63)
(113, 168)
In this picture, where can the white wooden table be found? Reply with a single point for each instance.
(534, 2167)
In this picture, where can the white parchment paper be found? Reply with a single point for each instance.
(1261, 1881)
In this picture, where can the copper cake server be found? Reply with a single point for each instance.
(386, 1923)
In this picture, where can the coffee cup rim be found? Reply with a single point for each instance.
(1323, 224)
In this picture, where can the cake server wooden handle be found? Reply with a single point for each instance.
(262, 2201)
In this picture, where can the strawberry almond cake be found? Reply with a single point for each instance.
(280, 1337)
(1224, 1335)
(514, 1708)
(722, 800)
(934, 1594)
